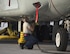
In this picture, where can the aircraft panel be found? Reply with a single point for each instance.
(8, 4)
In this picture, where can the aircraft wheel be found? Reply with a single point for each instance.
(61, 39)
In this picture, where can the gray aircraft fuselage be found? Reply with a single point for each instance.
(49, 9)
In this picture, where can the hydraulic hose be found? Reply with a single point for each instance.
(42, 50)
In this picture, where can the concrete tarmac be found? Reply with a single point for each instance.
(10, 47)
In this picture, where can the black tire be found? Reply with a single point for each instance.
(61, 39)
(55, 27)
